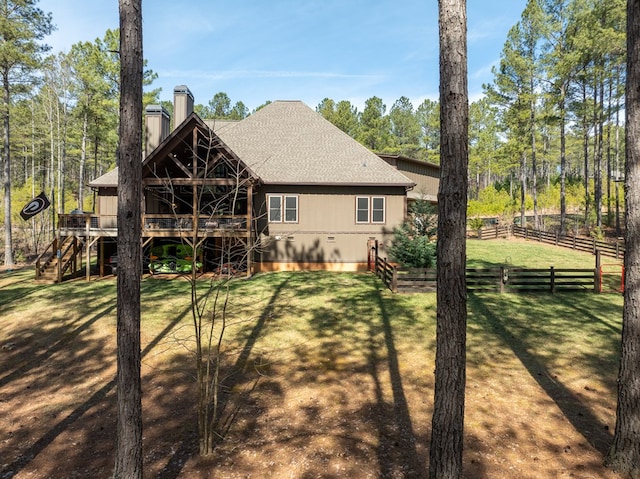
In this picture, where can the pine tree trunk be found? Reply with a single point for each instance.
(534, 158)
(83, 162)
(523, 189)
(608, 144)
(563, 163)
(617, 160)
(585, 148)
(445, 457)
(128, 461)
(6, 172)
(624, 455)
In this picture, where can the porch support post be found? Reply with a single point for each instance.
(196, 191)
(101, 257)
(249, 228)
(88, 249)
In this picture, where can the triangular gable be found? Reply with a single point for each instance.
(193, 152)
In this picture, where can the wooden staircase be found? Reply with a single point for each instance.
(59, 260)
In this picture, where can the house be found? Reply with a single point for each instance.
(424, 174)
(283, 189)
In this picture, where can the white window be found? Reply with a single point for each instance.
(283, 208)
(377, 209)
(370, 209)
(275, 209)
(362, 209)
(290, 209)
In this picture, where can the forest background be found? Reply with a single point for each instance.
(546, 138)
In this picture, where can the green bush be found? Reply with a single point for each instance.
(413, 244)
(476, 223)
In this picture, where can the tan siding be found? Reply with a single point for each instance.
(326, 231)
(424, 183)
(425, 175)
(310, 248)
(334, 210)
(107, 202)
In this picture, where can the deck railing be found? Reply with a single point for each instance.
(80, 223)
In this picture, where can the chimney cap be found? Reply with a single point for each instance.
(183, 89)
(156, 110)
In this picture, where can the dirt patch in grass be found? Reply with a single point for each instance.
(331, 377)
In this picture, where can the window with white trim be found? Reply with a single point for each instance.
(275, 209)
(370, 209)
(283, 208)
(377, 209)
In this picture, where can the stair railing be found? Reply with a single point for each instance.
(45, 257)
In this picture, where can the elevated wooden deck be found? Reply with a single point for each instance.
(167, 226)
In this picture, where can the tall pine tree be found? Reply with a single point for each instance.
(624, 455)
(447, 426)
(22, 27)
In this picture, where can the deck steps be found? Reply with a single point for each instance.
(52, 269)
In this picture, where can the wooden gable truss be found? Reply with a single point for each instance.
(197, 191)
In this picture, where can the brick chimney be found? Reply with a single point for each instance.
(157, 127)
(182, 104)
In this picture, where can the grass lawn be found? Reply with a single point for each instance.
(525, 253)
(330, 375)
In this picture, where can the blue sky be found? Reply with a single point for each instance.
(259, 50)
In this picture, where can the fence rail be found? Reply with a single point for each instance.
(580, 243)
(387, 273)
(518, 280)
(500, 279)
(491, 232)
(612, 249)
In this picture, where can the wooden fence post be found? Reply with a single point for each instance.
(59, 268)
(597, 276)
(553, 280)
(385, 267)
(504, 276)
(375, 257)
(74, 262)
(394, 280)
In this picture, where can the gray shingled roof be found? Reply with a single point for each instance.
(286, 142)
(107, 180)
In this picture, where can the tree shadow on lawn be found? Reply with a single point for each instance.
(67, 311)
(45, 381)
(527, 341)
(230, 403)
(359, 381)
(353, 345)
(362, 328)
(405, 439)
(30, 346)
(69, 363)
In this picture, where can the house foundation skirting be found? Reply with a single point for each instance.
(311, 266)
